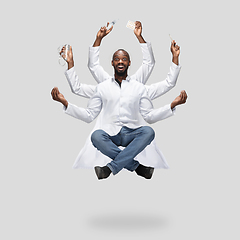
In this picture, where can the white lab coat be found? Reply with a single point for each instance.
(89, 156)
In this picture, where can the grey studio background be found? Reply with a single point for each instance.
(42, 197)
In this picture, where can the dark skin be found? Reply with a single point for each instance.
(120, 63)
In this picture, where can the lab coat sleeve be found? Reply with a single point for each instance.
(83, 90)
(148, 63)
(94, 66)
(86, 114)
(151, 115)
(158, 89)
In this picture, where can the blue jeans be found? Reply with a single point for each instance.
(134, 141)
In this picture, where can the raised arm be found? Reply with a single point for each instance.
(152, 115)
(94, 66)
(148, 62)
(83, 90)
(158, 89)
(87, 115)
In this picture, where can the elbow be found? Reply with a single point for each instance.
(149, 119)
(90, 117)
(74, 90)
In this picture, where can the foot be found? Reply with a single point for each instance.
(145, 172)
(102, 172)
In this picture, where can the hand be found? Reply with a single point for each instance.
(101, 34)
(69, 57)
(138, 29)
(175, 49)
(138, 32)
(181, 99)
(104, 32)
(57, 96)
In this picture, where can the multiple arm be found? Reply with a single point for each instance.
(94, 107)
(143, 72)
(142, 75)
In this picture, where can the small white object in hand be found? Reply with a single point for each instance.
(131, 25)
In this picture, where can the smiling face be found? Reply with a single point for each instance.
(121, 62)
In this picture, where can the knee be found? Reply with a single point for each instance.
(150, 133)
(97, 136)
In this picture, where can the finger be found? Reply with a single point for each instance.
(52, 92)
(107, 24)
(110, 29)
(184, 96)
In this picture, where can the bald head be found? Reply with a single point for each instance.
(122, 51)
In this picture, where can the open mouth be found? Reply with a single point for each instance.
(120, 67)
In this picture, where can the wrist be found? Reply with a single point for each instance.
(97, 42)
(65, 103)
(70, 64)
(173, 104)
(175, 59)
(140, 39)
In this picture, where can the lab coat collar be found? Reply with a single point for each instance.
(128, 78)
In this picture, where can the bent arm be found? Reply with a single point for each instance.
(148, 63)
(83, 90)
(158, 89)
(151, 115)
(85, 114)
(94, 66)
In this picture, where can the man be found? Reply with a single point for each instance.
(151, 155)
(120, 107)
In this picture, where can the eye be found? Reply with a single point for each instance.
(116, 59)
(124, 59)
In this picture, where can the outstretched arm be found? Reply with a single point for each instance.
(86, 115)
(144, 72)
(83, 90)
(158, 89)
(152, 115)
(93, 62)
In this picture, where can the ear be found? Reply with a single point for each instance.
(129, 63)
(112, 62)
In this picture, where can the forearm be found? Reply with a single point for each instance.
(158, 89)
(94, 66)
(83, 114)
(175, 60)
(140, 39)
(148, 63)
(70, 64)
(65, 103)
(97, 42)
(154, 115)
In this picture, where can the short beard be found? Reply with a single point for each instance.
(120, 73)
